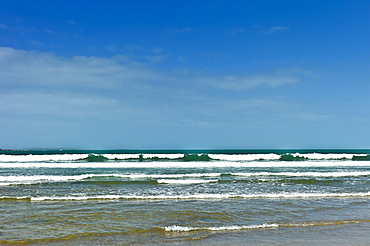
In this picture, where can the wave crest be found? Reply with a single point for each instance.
(205, 157)
(176, 228)
(192, 197)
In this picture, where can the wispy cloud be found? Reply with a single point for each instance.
(50, 32)
(72, 22)
(36, 84)
(36, 43)
(55, 104)
(112, 48)
(156, 58)
(275, 30)
(3, 26)
(157, 50)
(235, 83)
(17, 28)
(37, 68)
(46, 69)
(236, 31)
(39, 84)
(309, 116)
(181, 30)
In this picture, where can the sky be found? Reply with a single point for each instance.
(168, 74)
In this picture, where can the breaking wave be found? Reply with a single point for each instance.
(185, 181)
(270, 157)
(176, 228)
(185, 178)
(189, 197)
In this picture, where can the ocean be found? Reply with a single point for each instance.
(185, 197)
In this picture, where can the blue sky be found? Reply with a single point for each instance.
(184, 74)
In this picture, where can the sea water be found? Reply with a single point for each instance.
(172, 197)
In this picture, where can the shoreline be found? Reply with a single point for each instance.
(346, 234)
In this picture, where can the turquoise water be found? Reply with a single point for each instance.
(169, 197)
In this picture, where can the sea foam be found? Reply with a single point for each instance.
(176, 228)
(170, 164)
(192, 197)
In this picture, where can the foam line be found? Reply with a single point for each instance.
(196, 196)
(176, 228)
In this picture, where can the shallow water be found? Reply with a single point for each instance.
(59, 200)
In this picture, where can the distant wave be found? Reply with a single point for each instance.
(42, 158)
(271, 157)
(177, 164)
